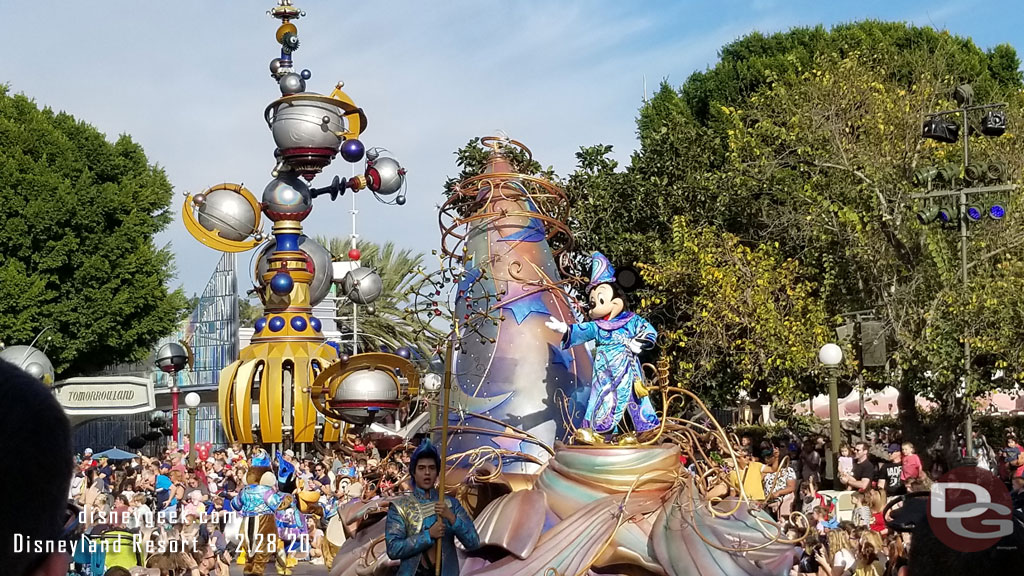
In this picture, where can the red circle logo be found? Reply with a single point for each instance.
(969, 509)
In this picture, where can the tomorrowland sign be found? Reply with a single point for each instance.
(105, 395)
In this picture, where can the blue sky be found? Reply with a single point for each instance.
(188, 80)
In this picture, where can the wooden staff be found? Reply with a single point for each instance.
(444, 446)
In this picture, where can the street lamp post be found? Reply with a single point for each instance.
(192, 401)
(830, 355)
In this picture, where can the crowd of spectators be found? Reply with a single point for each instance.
(787, 474)
(195, 501)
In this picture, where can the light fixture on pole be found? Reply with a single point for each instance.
(171, 358)
(192, 400)
(831, 355)
(939, 126)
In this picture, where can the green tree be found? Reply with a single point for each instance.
(79, 215)
(808, 140)
(249, 313)
(401, 272)
(735, 317)
(472, 159)
(841, 143)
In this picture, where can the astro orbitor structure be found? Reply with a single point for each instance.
(275, 374)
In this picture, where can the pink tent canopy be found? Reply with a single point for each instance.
(1002, 403)
(877, 404)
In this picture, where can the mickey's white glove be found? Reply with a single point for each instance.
(635, 346)
(557, 325)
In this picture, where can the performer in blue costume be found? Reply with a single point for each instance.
(258, 503)
(412, 527)
(620, 335)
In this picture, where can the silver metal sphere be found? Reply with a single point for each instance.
(300, 123)
(362, 285)
(400, 200)
(228, 213)
(390, 176)
(199, 199)
(275, 68)
(291, 83)
(371, 309)
(171, 357)
(31, 360)
(287, 197)
(362, 387)
(323, 274)
(258, 236)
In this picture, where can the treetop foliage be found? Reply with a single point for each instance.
(78, 215)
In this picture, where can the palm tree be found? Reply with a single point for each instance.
(388, 325)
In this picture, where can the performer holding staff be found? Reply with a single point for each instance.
(426, 521)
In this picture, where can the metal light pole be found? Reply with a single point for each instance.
(961, 196)
(192, 401)
(830, 355)
(171, 358)
(175, 392)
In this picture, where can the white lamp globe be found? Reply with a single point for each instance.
(830, 354)
(192, 399)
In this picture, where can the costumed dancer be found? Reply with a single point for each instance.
(291, 524)
(258, 503)
(412, 527)
(621, 335)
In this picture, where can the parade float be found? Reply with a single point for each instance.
(557, 439)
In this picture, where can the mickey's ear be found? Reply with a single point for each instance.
(628, 278)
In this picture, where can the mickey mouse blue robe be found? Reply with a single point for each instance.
(616, 370)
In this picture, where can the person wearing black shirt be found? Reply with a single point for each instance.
(863, 470)
(889, 475)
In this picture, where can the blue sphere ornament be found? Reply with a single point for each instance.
(276, 324)
(404, 352)
(299, 324)
(352, 150)
(306, 74)
(282, 284)
(260, 324)
(315, 323)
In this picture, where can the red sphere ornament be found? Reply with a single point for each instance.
(354, 254)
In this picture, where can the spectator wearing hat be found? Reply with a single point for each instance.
(87, 461)
(889, 476)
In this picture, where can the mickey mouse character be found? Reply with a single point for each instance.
(617, 384)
